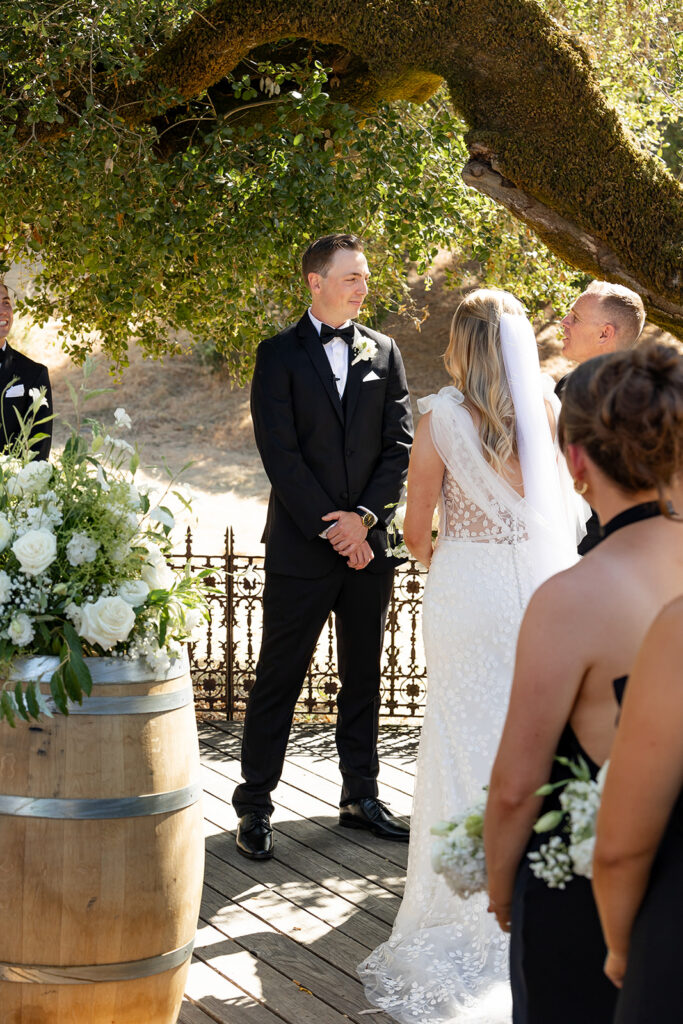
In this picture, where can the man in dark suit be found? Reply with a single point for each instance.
(333, 426)
(20, 381)
(605, 318)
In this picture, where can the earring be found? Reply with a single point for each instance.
(580, 486)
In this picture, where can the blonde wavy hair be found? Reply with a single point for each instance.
(474, 361)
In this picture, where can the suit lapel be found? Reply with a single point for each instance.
(354, 379)
(7, 368)
(316, 353)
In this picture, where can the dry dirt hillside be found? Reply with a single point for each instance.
(184, 412)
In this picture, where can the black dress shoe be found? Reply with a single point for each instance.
(375, 817)
(255, 836)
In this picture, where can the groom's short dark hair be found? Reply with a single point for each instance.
(318, 256)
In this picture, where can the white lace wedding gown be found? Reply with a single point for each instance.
(447, 960)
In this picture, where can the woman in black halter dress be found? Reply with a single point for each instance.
(638, 874)
(621, 427)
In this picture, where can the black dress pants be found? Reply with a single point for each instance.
(294, 613)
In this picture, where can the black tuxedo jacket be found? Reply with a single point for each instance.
(18, 374)
(322, 454)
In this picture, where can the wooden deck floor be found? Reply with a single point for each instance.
(279, 941)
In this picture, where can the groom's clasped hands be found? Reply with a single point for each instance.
(348, 537)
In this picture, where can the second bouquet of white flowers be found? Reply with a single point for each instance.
(83, 567)
(458, 851)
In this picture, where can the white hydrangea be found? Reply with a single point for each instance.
(5, 586)
(81, 549)
(21, 630)
(552, 863)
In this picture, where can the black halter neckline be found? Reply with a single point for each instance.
(634, 514)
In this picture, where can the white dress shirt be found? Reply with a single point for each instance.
(337, 352)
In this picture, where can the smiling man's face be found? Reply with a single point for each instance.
(6, 314)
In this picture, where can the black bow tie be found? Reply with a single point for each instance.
(328, 333)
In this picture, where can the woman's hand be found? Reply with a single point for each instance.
(502, 913)
(615, 968)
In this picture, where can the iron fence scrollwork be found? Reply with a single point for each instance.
(223, 660)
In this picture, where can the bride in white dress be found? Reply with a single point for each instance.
(508, 518)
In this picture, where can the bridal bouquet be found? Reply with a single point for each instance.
(458, 851)
(563, 856)
(82, 566)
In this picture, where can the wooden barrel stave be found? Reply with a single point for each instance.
(108, 891)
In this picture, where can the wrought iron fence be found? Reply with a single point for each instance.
(224, 661)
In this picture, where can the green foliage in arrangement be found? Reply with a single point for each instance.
(194, 219)
(83, 571)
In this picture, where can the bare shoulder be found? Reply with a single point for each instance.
(567, 597)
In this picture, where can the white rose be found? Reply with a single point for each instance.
(5, 532)
(21, 630)
(106, 622)
(156, 572)
(81, 548)
(5, 586)
(35, 551)
(34, 477)
(122, 418)
(134, 592)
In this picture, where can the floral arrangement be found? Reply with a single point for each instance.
(458, 851)
(83, 570)
(563, 856)
(395, 544)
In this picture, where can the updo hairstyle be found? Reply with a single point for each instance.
(626, 410)
(474, 361)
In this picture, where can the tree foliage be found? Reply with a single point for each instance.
(148, 211)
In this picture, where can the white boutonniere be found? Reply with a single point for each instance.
(363, 348)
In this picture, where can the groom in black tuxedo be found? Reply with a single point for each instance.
(333, 426)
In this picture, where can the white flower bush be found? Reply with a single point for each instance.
(83, 566)
(458, 851)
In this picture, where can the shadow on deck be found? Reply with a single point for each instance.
(279, 941)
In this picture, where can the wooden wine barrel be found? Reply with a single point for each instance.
(101, 851)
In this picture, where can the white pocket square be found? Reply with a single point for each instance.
(370, 376)
(16, 391)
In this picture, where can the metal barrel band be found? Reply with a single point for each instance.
(100, 807)
(152, 704)
(42, 974)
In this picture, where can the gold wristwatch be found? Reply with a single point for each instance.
(368, 519)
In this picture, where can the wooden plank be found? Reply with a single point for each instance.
(295, 862)
(281, 914)
(224, 1002)
(191, 1014)
(397, 745)
(302, 965)
(290, 980)
(348, 907)
(305, 805)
